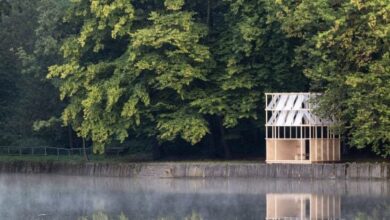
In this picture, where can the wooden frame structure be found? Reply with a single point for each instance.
(303, 206)
(294, 134)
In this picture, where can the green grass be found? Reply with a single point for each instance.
(76, 158)
(73, 158)
(39, 158)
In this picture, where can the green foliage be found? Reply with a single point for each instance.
(30, 36)
(16, 27)
(112, 91)
(253, 56)
(177, 70)
(190, 127)
(38, 125)
(5, 8)
(345, 52)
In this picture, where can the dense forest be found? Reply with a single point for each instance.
(187, 77)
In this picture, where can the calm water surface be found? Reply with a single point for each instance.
(69, 197)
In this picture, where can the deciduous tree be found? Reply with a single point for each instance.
(130, 68)
(344, 49)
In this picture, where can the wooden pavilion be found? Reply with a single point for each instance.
(294, 134)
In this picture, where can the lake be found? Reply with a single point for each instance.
(101, 198)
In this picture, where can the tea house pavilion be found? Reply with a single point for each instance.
(294, 134)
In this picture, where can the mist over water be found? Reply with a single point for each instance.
(71, 197)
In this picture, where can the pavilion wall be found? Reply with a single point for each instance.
(324, 150)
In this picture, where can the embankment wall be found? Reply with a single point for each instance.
(203, 169)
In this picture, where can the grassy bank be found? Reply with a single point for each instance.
(75, 158)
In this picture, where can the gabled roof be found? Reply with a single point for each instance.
(293, 109)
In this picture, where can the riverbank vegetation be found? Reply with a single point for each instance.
(180, 78)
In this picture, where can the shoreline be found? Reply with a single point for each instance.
(375, 171)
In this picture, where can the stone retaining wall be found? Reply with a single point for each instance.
(204, 169)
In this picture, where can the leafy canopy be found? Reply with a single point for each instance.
(126, 69)
(344, 50)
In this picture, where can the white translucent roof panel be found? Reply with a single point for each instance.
(292, 109)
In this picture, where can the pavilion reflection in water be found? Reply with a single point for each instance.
(303, 206)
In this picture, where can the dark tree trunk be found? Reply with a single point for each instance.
(212, 145)
(222, 140)
(86, 158)
(70, 137)
(158, 152)
(208, 13)
(212, 138)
